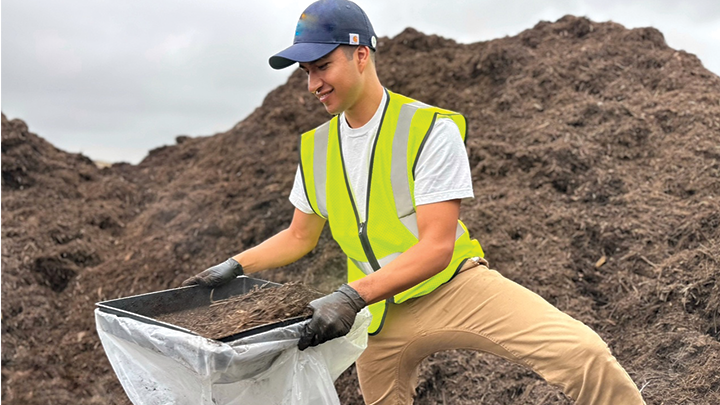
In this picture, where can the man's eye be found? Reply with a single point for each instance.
(323, 66)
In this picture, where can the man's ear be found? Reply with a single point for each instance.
(363, 57)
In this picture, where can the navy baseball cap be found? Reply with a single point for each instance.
(322, 27)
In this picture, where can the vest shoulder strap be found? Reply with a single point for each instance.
(313, 166)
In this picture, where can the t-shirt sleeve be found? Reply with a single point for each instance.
(297, 194)
(443, 169)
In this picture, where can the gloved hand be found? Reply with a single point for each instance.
(216, 275)
(333, 316)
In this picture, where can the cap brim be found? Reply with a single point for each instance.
(300, 52)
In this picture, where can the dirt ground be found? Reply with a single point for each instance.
(595, 153)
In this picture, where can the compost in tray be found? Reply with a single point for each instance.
(260, 306)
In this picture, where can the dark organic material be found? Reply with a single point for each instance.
(261, 306)
(595, 154)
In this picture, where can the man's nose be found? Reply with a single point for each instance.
(314, 82)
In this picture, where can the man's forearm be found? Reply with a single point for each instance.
(415, 265)
(280, 250)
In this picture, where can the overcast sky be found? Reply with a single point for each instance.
(114, 79)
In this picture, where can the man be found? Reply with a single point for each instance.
(387, 173)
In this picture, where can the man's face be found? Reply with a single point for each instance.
(334, 80)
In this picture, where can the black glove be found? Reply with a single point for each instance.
(333, 316)
(216, 275)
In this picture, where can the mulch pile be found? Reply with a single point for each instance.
(260, 306)
(595, 153)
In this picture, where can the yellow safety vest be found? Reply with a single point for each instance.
(391, 226)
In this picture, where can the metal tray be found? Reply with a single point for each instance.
(145, 307)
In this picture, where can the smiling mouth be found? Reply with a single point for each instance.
(323, 96)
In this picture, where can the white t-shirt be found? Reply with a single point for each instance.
(442, 172)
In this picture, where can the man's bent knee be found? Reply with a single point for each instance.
(594, 376)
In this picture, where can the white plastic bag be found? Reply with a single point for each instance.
(157, 365)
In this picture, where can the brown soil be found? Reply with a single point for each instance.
(595, 152)
(260, 306)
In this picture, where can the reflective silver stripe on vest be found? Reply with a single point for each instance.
(320, 166)
(366, 268)
(398, 168)
(399, 173)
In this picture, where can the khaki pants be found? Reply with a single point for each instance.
(481, 310)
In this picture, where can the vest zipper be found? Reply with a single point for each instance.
(365, 242)
(362, 226)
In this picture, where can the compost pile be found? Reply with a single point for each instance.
(595, 153)
(260, 306)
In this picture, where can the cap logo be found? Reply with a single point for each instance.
(354, 39)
